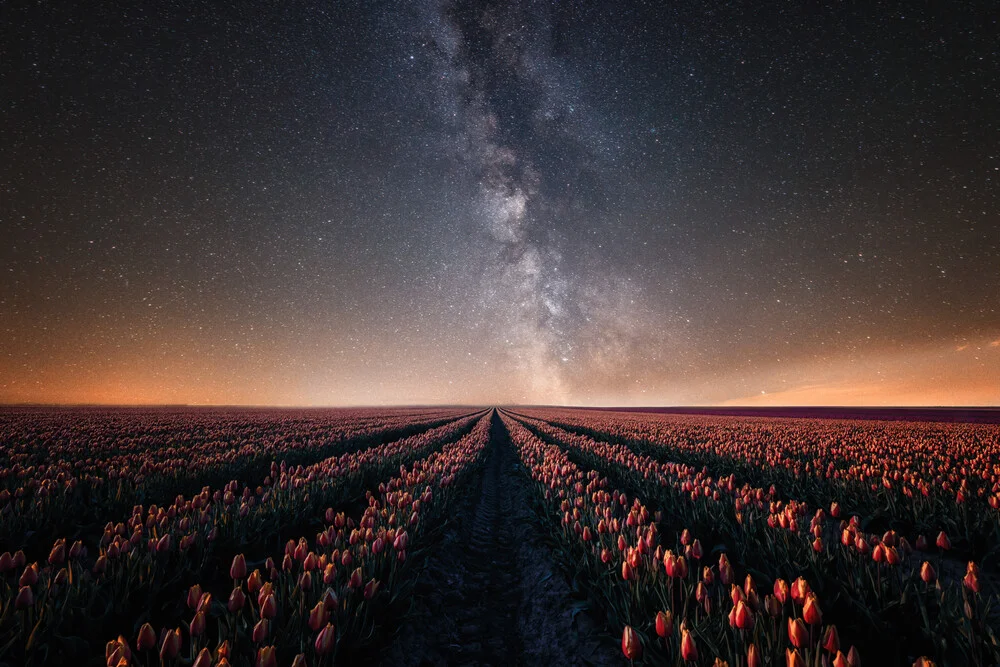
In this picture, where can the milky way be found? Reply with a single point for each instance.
(431, 201)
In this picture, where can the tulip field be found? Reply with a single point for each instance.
(301, 537)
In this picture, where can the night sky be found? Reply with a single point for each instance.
(356, 202)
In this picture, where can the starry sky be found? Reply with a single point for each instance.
(437, 201)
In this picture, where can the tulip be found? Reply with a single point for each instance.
(725, 570)
(811, 612)
(356, 580)
(371, 588)
(197, 627)
(627, 573)
(799, 591)
(238, 569)
(204, 659)
(6, 562)
(664, 623)
(853, 659)
(793, 658)
(58, 554)
(943, 542)
(743, 617)
(269, 608)
(170, 645)
(753, 656)
(318, 616)
(260, 631)
(329, 599)
(236, 600)
(689, 651)
(299, 660)
(831, 639)
(781, 590)
(924, 662)
(30, 576)
(840, 660)
(971, 580)
(797, 633)
(266, 657)
(25, 598)
(146, 639)
(631, 646)
(325, 640)
(194, 596)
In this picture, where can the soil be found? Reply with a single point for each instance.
(491, 592)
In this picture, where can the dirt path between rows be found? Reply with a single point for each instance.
(491, 592)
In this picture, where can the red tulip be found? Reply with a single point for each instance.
(689, 651)
(793, 658)
(325, 640)
(197, 627)
(356, 580)
(853, 659)
(6, 562)
(236, 600)
(831, 639)
(781, 590)
(811, 612)
(631, 646)
(266, 657)
(58, 554)
(800, 589)
(170, 644)
(971, 580)
(146, 639)
(260, 631)
(927, 573)
(194, 596)
(238, 569)
(743, 617)
(318, 616)
(269, 607)
(371, 588)
(797, 633)
(25, 598)
(204, 659)
(664, 623)
(943, 542)
(753, 656)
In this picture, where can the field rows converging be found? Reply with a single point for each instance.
(55, 482)
(865, 580)
(130, 569)
(497, 537)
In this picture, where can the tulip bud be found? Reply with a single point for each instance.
(631, 646)
(146, 639)
(355, 581)
(742, 617)
(171, 644)
(853, 659)
(371, 588)
(25, 598)
(689, 651)
(269, 608)
(238, 569)
(831, 639)
(194, 596)
(943, 542)
(753, 656)
(793, 658)
(811, 612)
(318, 616)
(204, 659)
(236, 600)
(797, 633)
(664, 623)
(325, 640)
(266, 657)
(197, 627)
(260, 631)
